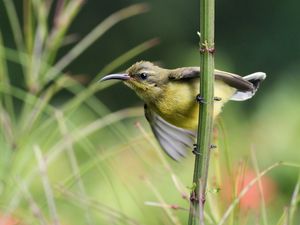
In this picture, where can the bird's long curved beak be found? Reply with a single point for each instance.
(119, 76)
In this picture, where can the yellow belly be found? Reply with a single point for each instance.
(178, 105)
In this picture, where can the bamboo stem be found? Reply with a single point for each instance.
(205, 125)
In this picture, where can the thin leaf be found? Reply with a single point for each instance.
(294, 202)
(260, 186)
(46, 184)
(125, 57)
(74, 164)
(93, 36)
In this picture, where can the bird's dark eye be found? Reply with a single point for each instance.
(143, 76)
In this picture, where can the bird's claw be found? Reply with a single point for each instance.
(217, 98)
(195, 150)
(200, 99)
(212, 146)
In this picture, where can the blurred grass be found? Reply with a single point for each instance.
(70, 160)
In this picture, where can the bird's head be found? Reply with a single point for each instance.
(145, 78)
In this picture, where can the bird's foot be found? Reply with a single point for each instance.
(195, 150)
(217, 99)
(200, 99)
(212, 146)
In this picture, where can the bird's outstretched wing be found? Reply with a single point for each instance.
(231, 79)
(245, 86)
(173, 140)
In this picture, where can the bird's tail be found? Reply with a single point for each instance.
(255, 79)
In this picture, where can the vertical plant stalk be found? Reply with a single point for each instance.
(205, 124)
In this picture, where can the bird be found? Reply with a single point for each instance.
(170, 99)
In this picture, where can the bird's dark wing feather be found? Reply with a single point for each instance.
(234, 80)
(173, 140)
(231, 79)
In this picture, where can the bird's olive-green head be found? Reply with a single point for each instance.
(145, 78)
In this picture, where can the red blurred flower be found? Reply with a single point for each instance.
(232, 187)
(8, 220)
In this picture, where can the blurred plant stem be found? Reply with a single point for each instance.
(94, 35)
(261, 190)
(205, 124)
(294, 202)
(29, 118)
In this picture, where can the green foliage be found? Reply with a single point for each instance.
(66, 158)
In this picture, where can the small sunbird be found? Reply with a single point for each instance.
(170, 99)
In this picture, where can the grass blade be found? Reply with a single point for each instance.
(95, 34)
(294, 202)
(167, 210)
(46, 184)
(260, 186)
(125, 57)
(74, 163)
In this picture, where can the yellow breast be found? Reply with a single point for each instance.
(178, 104)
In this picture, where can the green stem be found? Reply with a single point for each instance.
(205, 125)
(293, 204)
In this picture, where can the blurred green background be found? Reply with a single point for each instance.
(73, 152)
